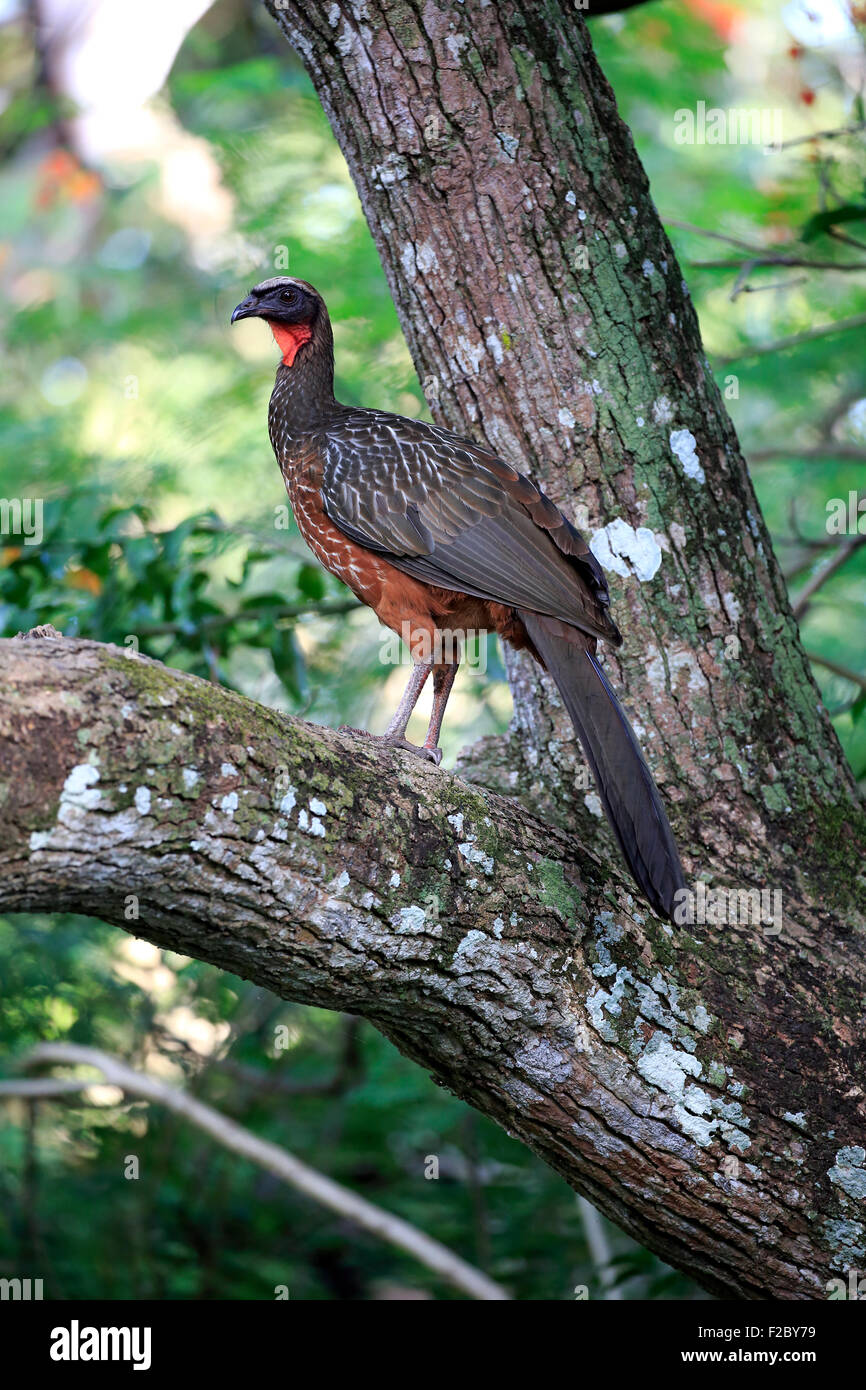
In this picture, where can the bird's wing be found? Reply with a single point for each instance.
(446, 511)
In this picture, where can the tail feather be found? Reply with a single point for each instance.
(623, 780)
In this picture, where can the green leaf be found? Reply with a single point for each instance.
(311, 581)
(821, 222)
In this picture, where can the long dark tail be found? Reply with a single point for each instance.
(623, 780)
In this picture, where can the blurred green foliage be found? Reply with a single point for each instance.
(133, 411)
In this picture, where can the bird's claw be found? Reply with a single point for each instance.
(432, 755)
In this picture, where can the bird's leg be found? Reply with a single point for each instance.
(396, 729)
(395, 734)
(443, 679)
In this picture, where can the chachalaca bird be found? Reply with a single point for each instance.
(434, 530)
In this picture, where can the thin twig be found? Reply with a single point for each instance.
(326, 609)
(774, 285)
(846, 238)
(273, 1159)
(714, 236)
(599, 1248)
(801, 262)
(824, 330)
(825, 572)
(348, 1070)
(838, 670)
(819, 135)
(810, 451)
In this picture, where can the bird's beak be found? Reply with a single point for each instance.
(247, 309)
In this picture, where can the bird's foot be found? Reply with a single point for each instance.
(431, 755)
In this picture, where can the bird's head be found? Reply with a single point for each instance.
(291, 308)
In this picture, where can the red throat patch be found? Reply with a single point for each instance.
(289, 337)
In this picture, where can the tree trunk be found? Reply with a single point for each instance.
(700, 1084)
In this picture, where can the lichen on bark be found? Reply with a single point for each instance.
(699, 1084)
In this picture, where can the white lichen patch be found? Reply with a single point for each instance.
(625, 550)
(393, 169)
(592, 802)
(191, 776)
(229, 803)
(426, 258)
(848, 1171)
(667, 1067)
(678, 659)
(470, 944)
(341, 882)
(476, 856)
(663, 411)
(848, 1240)
(394, 880)
(228, 770)
(317, 807)
(469, 354)
(289, 801)
(457, 821)
(684, 448)
(602, 1002)
(701, 1019)
(79, 789)
(566, 419)
(311, 825)
(142, 800)
(409, 919)
(664, 1057)
(495, 348)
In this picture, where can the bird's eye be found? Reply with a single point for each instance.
(288, 295)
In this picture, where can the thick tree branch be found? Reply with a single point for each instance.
(686, 1080)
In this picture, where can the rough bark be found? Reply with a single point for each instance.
(702, 1086)
(518, 968)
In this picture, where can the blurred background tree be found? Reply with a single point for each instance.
(152, 172)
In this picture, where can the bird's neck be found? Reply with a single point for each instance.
(304, 388)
